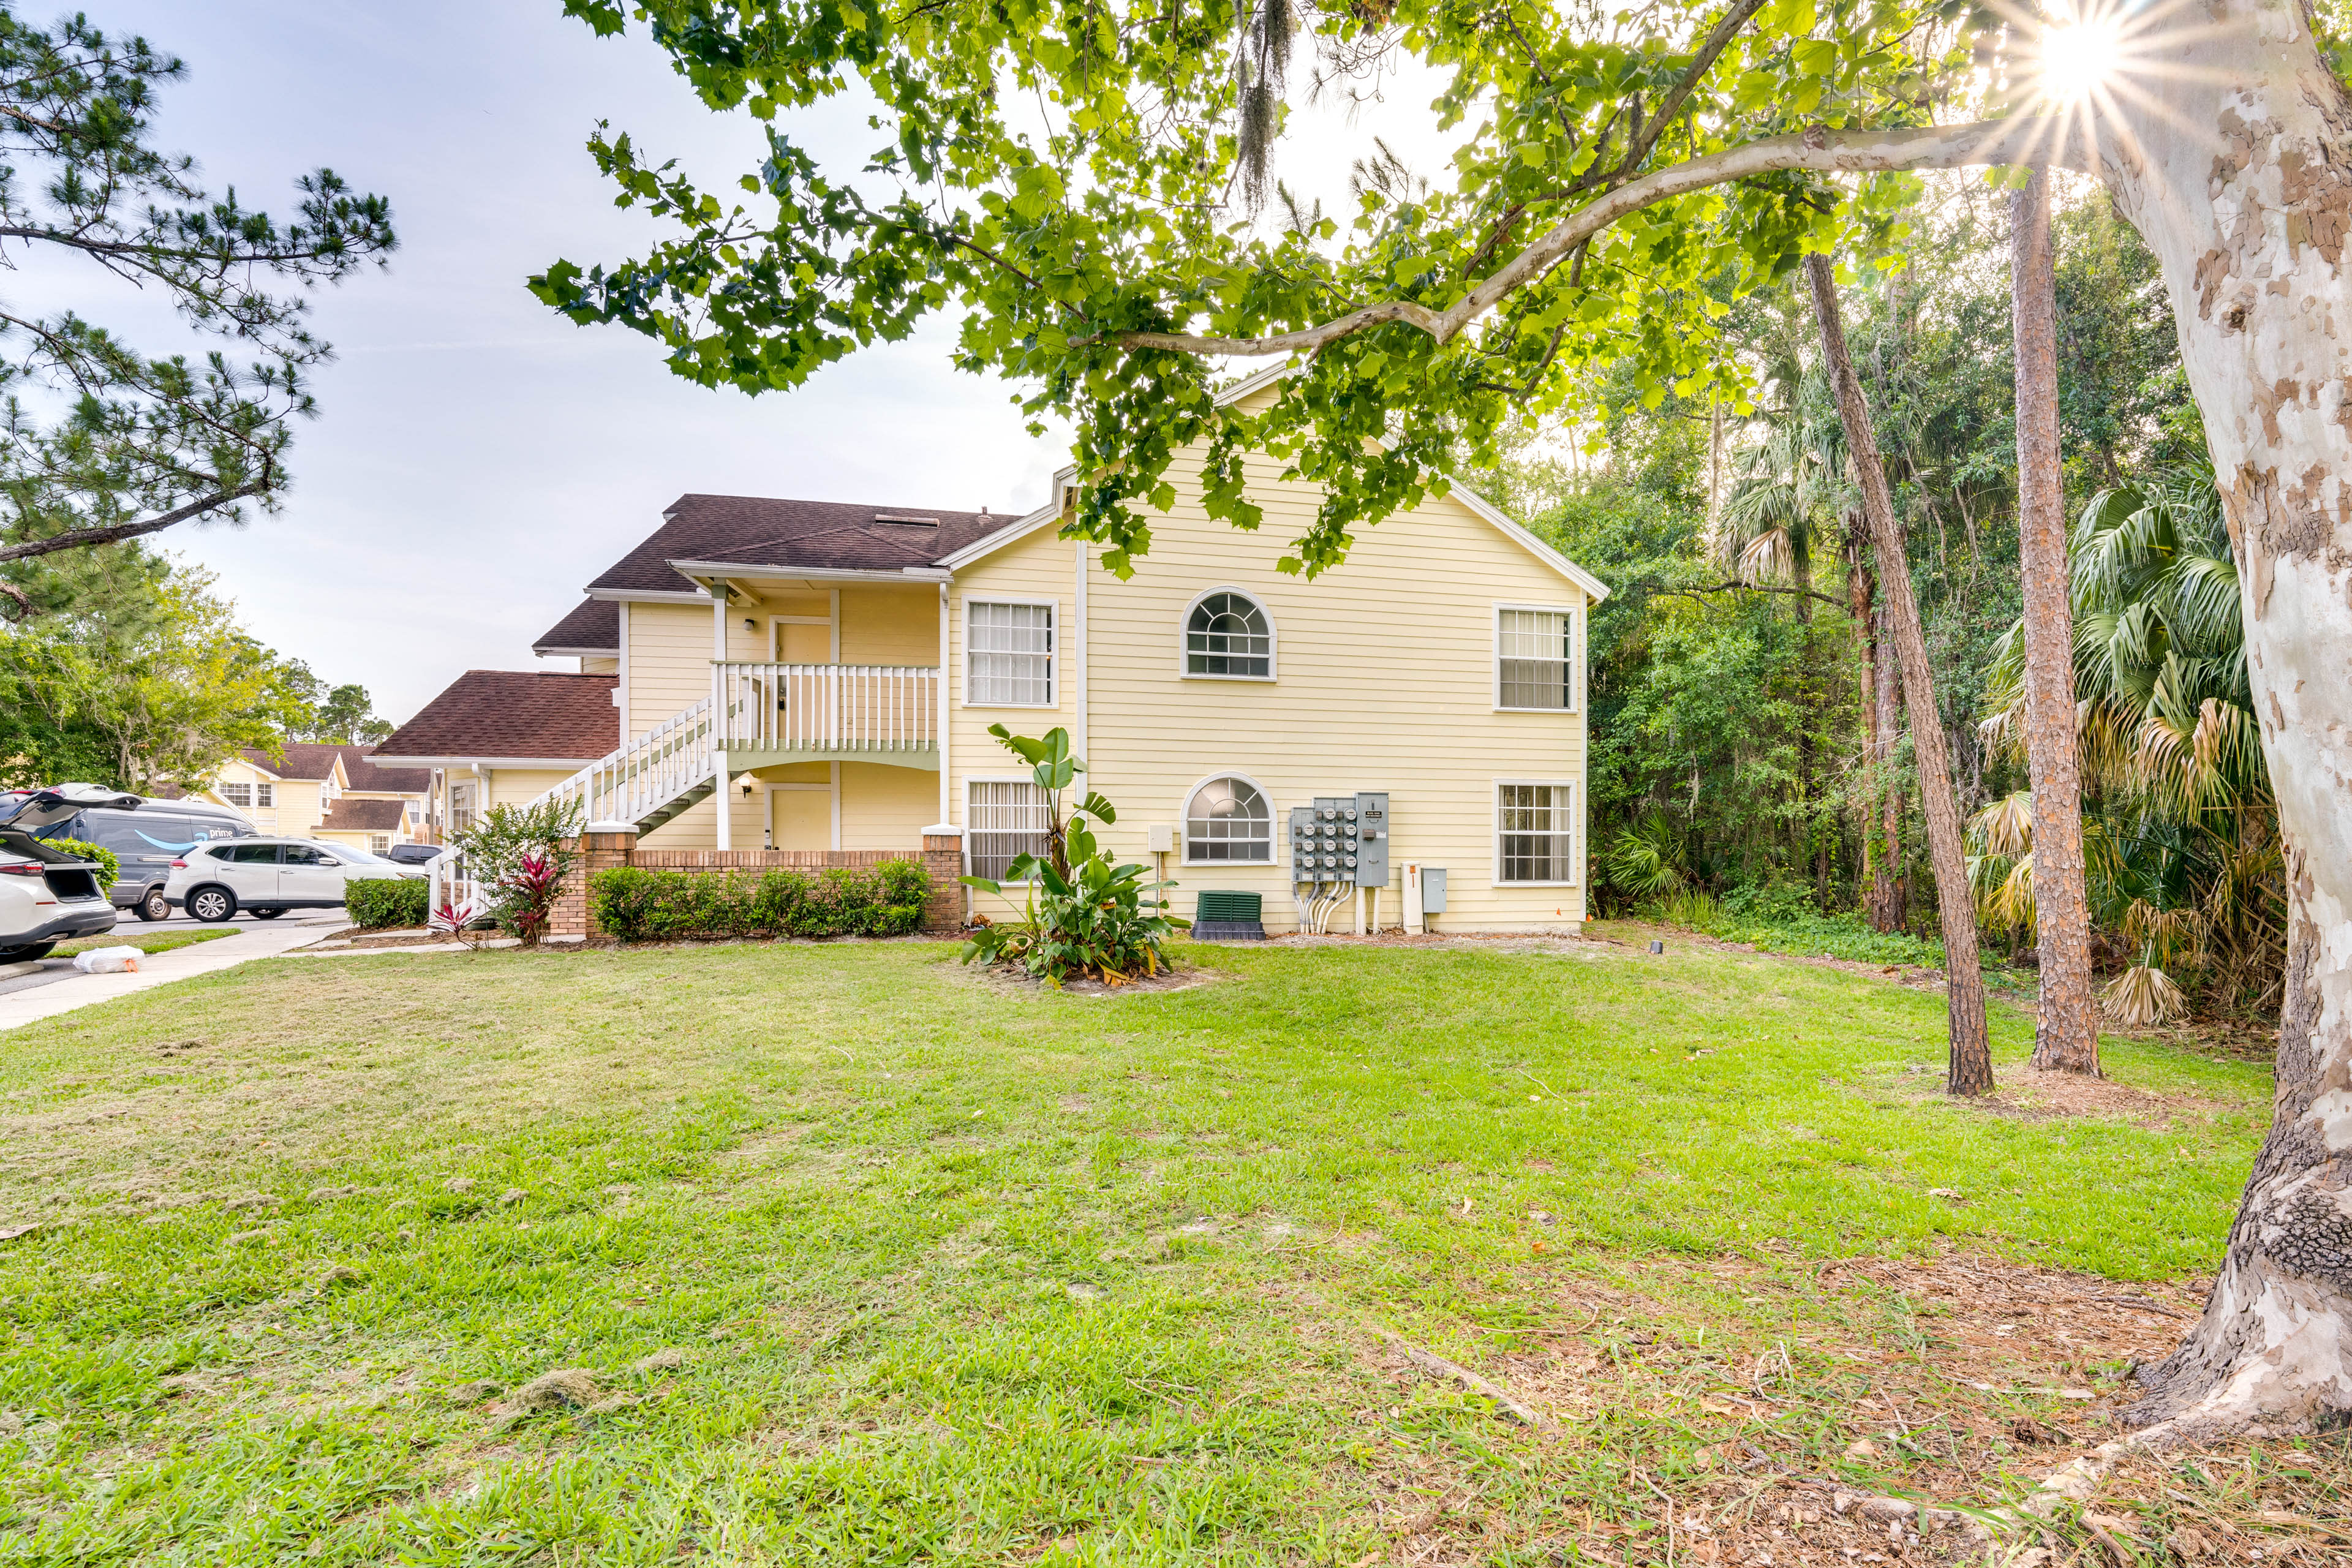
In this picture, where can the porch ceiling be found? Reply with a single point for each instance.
(922, 756)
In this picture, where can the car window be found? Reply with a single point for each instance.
(249, 854)
(306, 855)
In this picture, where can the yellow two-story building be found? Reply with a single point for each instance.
(820, 676)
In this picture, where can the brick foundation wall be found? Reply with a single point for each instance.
(941, 856)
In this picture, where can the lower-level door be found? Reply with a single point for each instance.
(803, 817)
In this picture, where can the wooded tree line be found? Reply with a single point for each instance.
(1747, 739)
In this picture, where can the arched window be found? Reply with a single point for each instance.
(1227, 634)
(1227, 821)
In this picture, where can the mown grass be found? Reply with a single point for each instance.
(964, 1272)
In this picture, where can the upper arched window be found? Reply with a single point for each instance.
(1228, 820)
(1227, 634)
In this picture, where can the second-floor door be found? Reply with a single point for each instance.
(803, 644)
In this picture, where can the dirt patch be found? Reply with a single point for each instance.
(2035, 1095)
(1012, 982)
(1957, 1380)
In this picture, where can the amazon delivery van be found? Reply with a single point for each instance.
(146, 840)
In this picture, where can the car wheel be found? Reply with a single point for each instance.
(212, 905)
(27, 953)
(264, 914)
(154, 907)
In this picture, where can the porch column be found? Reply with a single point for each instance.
(718, 725)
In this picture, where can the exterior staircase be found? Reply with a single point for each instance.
(758, 715)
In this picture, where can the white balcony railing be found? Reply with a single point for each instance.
(826, 707)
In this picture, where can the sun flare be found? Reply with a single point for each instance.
(2077, 59)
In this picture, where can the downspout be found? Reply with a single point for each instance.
(1079, 656)
(726, 827)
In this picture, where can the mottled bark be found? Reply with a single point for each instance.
(1971, 1055)
(2066, 1028)
(2228, 147)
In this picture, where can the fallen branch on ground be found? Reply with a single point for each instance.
(1429, 1361)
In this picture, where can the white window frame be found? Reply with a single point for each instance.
(1273, 816)
(1184, 642)
(1575, 614)
(972, 828)
(1052, 655)
(228, 793)
(1575, 789)
(265, 794)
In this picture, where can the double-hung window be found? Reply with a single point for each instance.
(237, 794)
(1006, 818)
(1534, 831)
(1009, 654)
(1534, 657)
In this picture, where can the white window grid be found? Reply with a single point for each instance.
(1534, 658)
(379, 842)
(1004, 818)
(1228, 821)
(1228, 635)
(1009, 653)
(237, 794)
(1536, 833)
(265, 794)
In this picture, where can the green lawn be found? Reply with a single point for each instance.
(145, 942)
(962, 1272)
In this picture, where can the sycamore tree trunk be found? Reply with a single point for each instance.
(2230, 148)
(1971, 1053)
(2066, 1032)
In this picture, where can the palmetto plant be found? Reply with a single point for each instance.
(1646, 861)
(2182, 853)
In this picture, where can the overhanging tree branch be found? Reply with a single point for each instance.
(2058, 141)
(115, 533)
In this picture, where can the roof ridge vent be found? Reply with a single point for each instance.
(906, 517)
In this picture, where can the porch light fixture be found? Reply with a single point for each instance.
(747, 786)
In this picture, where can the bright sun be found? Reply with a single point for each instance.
(2076, 58)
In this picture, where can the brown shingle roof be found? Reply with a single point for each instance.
(360, 766)
(350, 815)
(825, 535)
(303, 760)
(594, 624)
(513, 713)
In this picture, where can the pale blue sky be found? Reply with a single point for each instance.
(479, 457)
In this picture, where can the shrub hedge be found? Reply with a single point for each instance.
(638, 904)
(380, 902)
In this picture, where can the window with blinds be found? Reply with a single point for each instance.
(1009, 655)
(1535, 833)
(1004, 820)
(1536, 659)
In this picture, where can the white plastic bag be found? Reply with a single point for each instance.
(109, 961)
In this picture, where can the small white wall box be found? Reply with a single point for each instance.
(1160, 838)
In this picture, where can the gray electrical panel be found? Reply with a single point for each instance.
(1432, 889)
(1371, 840)
(1341, 838)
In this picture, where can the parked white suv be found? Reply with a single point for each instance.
(46, 895)
(267, 877)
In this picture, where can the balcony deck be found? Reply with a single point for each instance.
(777, 713)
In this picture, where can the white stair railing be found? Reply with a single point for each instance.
(827, 707)
(636, 780)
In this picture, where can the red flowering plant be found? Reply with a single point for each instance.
(523, 855)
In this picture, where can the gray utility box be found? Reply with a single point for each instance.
(1432, 889)
(1341, 838)
(1371, 840)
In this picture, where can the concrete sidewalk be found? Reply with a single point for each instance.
(22, 1007)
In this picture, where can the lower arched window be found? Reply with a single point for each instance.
(1228, 821)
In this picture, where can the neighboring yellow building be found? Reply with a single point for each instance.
(795, 648)
(331, 791)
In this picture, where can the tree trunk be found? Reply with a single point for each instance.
(1882, 819)
(1971, 1053)
(1894, 905)
(2228, 146)
(2066, 1032)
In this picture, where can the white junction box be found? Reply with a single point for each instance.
(1160, 838)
